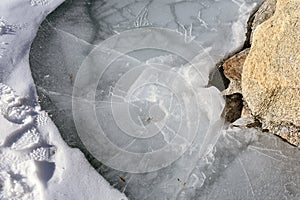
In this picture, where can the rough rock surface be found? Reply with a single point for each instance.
(233, 68)
(234, 106)
(271, 73)
(265, 11)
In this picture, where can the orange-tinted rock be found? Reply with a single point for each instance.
(233, 68)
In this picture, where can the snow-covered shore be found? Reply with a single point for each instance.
(35, 163)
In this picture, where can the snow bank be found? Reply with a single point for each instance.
(35, 163)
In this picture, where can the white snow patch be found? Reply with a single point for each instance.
(35, 163)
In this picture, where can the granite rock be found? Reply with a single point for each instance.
(233, 66)
(271, 73)
(265, 11)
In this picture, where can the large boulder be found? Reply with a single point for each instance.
(271, 72)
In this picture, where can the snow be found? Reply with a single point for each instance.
(35, 163)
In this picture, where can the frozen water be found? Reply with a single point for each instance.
(67, 45)
(69, 34)
(177, 92)
(246, 164)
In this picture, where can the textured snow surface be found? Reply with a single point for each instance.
(35, 163)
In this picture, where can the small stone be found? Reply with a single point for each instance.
(233, 68)
(234, 106)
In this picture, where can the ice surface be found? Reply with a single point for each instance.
(244, 164)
